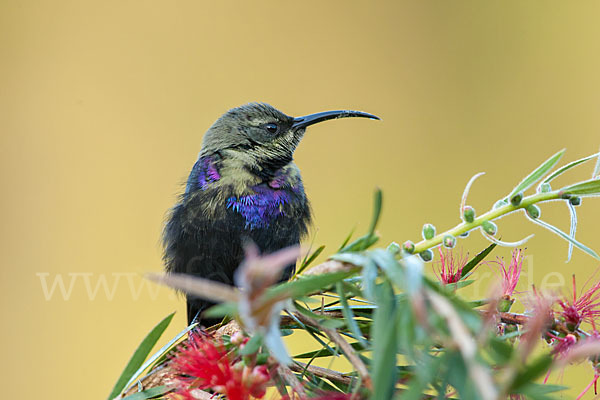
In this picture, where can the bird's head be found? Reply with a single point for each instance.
(261, 136)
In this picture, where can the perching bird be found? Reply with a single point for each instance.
(244, 186)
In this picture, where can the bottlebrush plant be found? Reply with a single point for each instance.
(404, 334)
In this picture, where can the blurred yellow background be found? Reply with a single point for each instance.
(104, 103)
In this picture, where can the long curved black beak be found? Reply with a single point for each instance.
(303, 122)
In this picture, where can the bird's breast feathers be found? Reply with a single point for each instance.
(219, 188)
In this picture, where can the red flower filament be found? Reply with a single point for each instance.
(206, 364)
(512, 273)
(584, 308)
(450, 266)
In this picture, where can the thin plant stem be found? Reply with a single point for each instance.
(488, 216)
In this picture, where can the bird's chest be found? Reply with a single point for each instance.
(233, 201)
(265, 205)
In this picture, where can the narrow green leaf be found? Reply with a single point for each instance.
(305, 370)
(310, 259)
(362, 243)
(572, 229)
(391, 267)
(305, 285)
(478, 303)
(311, 331)
(476, 260)
(586, 188)
(148, 393)
(335, 386)
(303, 264)
(369, 276)
(457, 375)
(463, 199)
(413, 272)
(377, 200)
(325, 353)
(532, 371)
(566, 237)
(349, 316)
(162, 353)
(383, 334)
(500, 350)
(345, 242)
(451, 287)
(537, 174)
(366, 241)
(358, 259)
(568, 166)
(331, 323)
(325, 321)
(537, 391)
(506, 244)
(596, 173)
(140, 355)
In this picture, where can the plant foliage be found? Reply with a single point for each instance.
(404, 334)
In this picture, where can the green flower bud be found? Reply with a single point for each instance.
(489, 227)
(505, 304)
(408, 247)
(533, 211)
(426, 255)
(565, 196)
(500, 203)
(428, 231)
(575, 200)
(449, 241)
(545, 187)
(394, 248)
(469, 214)
(516, 199)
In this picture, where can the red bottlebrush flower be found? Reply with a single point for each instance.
(450, 266)
(584, 308)
(512, 273)
(256, 381)
(206, 364)
(569, 349)
(562, 345)
(591, 352)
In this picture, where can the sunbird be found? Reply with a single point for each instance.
(244, 187)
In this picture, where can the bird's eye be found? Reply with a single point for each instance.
(272, 128)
